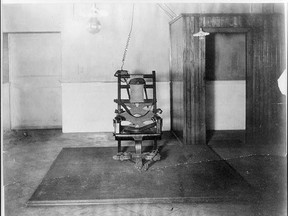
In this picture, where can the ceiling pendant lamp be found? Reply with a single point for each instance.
(94, 25)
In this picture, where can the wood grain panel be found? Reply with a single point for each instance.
(188, 68)
(265, 62)
(176, 77)
(194, 90)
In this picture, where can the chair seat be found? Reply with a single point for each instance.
(127, 129)
(131, 135)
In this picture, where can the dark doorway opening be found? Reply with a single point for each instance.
(225, 85)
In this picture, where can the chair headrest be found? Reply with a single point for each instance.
(137, 81)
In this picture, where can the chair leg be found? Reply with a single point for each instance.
(119, 146)
(155, 144)
(138, 150)
(138, 145)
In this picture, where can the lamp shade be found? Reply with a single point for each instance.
(94, 26)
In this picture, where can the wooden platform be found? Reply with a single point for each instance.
(85, 176)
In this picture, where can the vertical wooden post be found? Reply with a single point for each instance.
(194, 89)
(154, 92)
(249, 87)
(201, 136)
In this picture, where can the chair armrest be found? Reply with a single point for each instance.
(118, 119)
(158, 111)
(157, 117)
(117, 123)
(158, 121)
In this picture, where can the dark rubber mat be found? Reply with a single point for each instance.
(184, 174)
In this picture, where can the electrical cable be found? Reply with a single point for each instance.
(128, 40)
(167, 13)
(174, 14)
(131, 28)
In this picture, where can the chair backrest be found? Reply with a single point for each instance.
(137, 86)
(138, 109)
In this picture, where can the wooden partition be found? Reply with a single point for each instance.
(265, 59)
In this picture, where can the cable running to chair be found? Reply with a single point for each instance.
(128, 40)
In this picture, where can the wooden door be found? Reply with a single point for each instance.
(35, 75)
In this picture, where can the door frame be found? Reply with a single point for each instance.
(248, 75)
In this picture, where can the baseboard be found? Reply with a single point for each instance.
(37, 127)
(226, 135)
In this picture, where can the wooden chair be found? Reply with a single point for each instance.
(137, 117)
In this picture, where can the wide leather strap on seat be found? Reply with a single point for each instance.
(139, 129)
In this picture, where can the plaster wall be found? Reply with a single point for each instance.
(87, 107)
(93, 58)
(5, 107)
(226, 105)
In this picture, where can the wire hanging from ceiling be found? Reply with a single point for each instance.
(169, 12)
(172, 12)
(128, 39)
(166, 12)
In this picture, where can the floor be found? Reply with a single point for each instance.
(27, 156)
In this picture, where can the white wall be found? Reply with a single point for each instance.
(89, 107)
(35, 71)
(89, 61)
(226, 105)
(5, 107)
(94, 58)
(88, 57)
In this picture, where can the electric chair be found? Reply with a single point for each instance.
(137, 117)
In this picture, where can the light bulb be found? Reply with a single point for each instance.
(94, 26)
